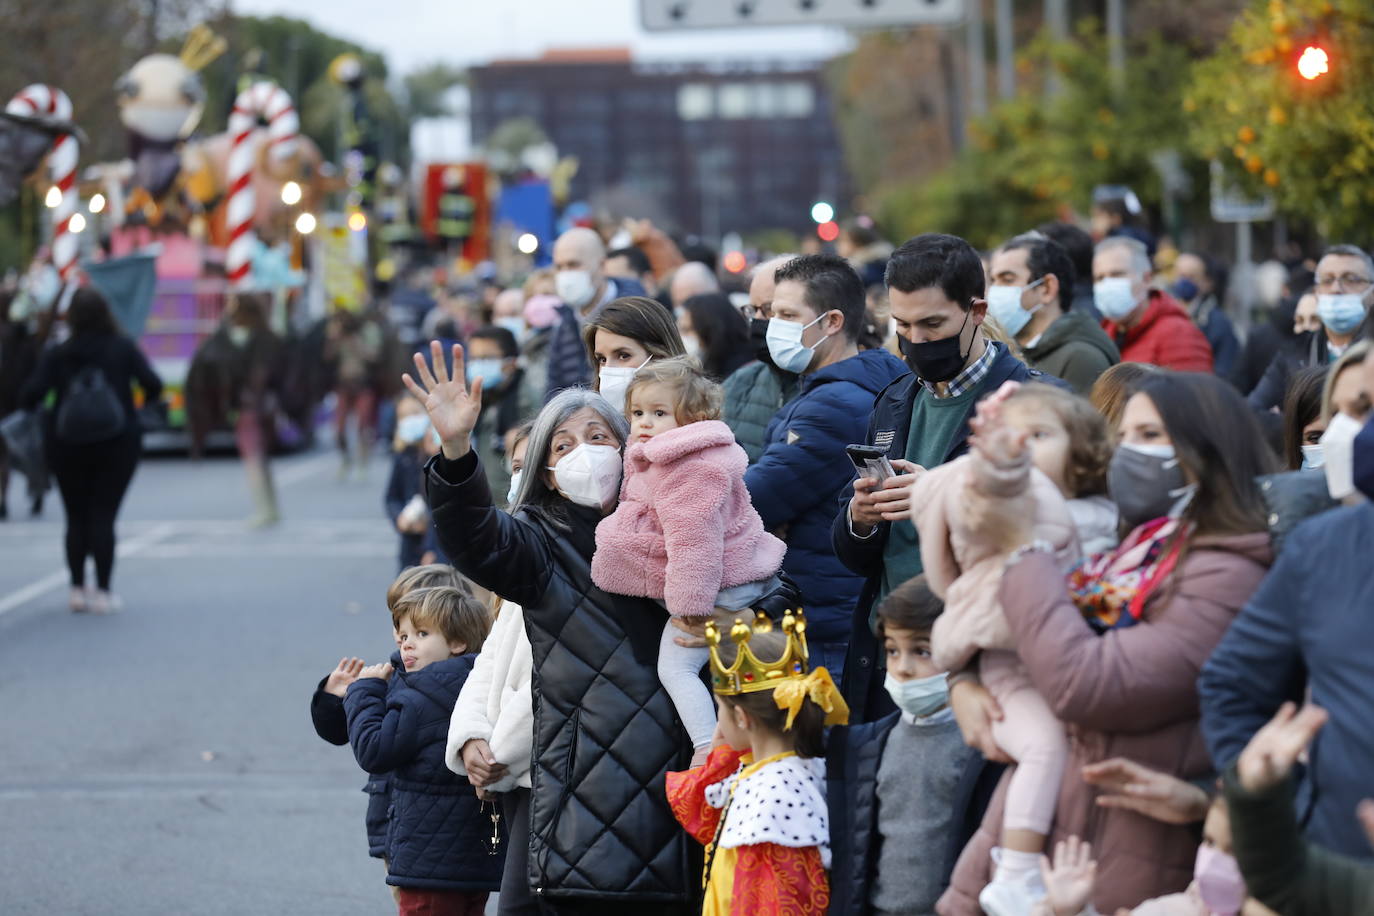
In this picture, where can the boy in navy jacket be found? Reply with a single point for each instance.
(905, 793)
(327, 708)
(438, 840)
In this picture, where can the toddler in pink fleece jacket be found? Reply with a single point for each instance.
(685, 531)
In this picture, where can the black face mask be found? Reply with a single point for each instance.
(758, 339)
(935, 361)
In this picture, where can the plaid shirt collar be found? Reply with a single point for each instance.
(967, 379)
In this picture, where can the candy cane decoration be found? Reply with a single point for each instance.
(271, 103)
(39, 100)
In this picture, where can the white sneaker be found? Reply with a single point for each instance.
(77, 600)
(1016, 895)
(102, 602)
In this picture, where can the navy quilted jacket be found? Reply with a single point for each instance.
(331, 724)
(605, 732)
(803, 479)
(437, 835)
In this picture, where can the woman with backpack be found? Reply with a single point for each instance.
(93, 433)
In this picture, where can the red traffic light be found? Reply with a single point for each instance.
(828, 231)
(1313, 63)
(735, 262)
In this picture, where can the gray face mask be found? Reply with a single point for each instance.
(1146, 482)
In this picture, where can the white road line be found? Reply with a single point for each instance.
(57, 579)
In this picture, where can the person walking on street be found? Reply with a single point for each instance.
(94, 436)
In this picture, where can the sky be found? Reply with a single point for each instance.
(412, 33)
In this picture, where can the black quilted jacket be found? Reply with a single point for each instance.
(605, 732)
(437, 835)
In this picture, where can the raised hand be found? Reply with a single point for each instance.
(1126, 784)
(344, 674)
(1269, 757)
(382, 671)
(452, 406)
(992, 438)
(1069, 881)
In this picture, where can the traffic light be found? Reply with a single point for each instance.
(1314, 63)
(828, 231)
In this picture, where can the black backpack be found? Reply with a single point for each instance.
(90, 411)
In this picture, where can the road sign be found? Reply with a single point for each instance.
(1230, 205)
(673, 15)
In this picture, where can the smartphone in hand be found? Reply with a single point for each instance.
(871, 461)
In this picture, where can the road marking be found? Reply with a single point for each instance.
(54, 580)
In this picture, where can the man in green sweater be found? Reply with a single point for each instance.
(935, 285)
(1031, 297)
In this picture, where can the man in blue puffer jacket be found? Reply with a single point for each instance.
(437, 847)
(799, 481)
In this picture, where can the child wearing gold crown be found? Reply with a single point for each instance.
(758, 803)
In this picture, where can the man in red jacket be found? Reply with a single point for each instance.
(1147, 324)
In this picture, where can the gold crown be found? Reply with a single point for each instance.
(748, 674)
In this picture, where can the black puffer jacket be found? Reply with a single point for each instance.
(437, 835)
(605, 732)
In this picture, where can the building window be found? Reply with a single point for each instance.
(695, 102)
(796, 100)
(736, 100)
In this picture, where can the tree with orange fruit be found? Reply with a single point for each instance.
(1286, 105)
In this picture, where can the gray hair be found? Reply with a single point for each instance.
(1351, 251)
(1140, 255)
(533, 490)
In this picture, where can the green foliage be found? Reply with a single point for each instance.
(297, 56)
(1032, 155)
(427, 86)
(1310, 144)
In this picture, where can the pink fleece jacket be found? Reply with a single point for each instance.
(685, 527)
(960, 510)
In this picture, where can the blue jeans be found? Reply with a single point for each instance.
(830, 656)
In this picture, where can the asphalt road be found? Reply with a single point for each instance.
(162, 760)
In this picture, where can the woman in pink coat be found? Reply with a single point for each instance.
(1189, 455)
(685, 531)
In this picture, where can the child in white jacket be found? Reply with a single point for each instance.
(494, 711)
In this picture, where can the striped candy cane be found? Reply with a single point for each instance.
(270, 103)
(39, 100)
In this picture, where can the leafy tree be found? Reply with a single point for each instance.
(1309, 143)
(1032, 156)
(427, 87)
(297, 55)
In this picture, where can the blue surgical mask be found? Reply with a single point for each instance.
(786, 347)
(1113, 297)
(1312, 456)
(488, 370)
(1004, 305)
(1341, 313)
(411, 429)
(514, 487)
(919, 697)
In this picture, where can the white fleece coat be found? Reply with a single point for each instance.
(496, 704)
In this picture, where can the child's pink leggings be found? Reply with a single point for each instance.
(1032, 736)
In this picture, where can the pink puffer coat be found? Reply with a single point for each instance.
(961, 510)
(685, 527)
